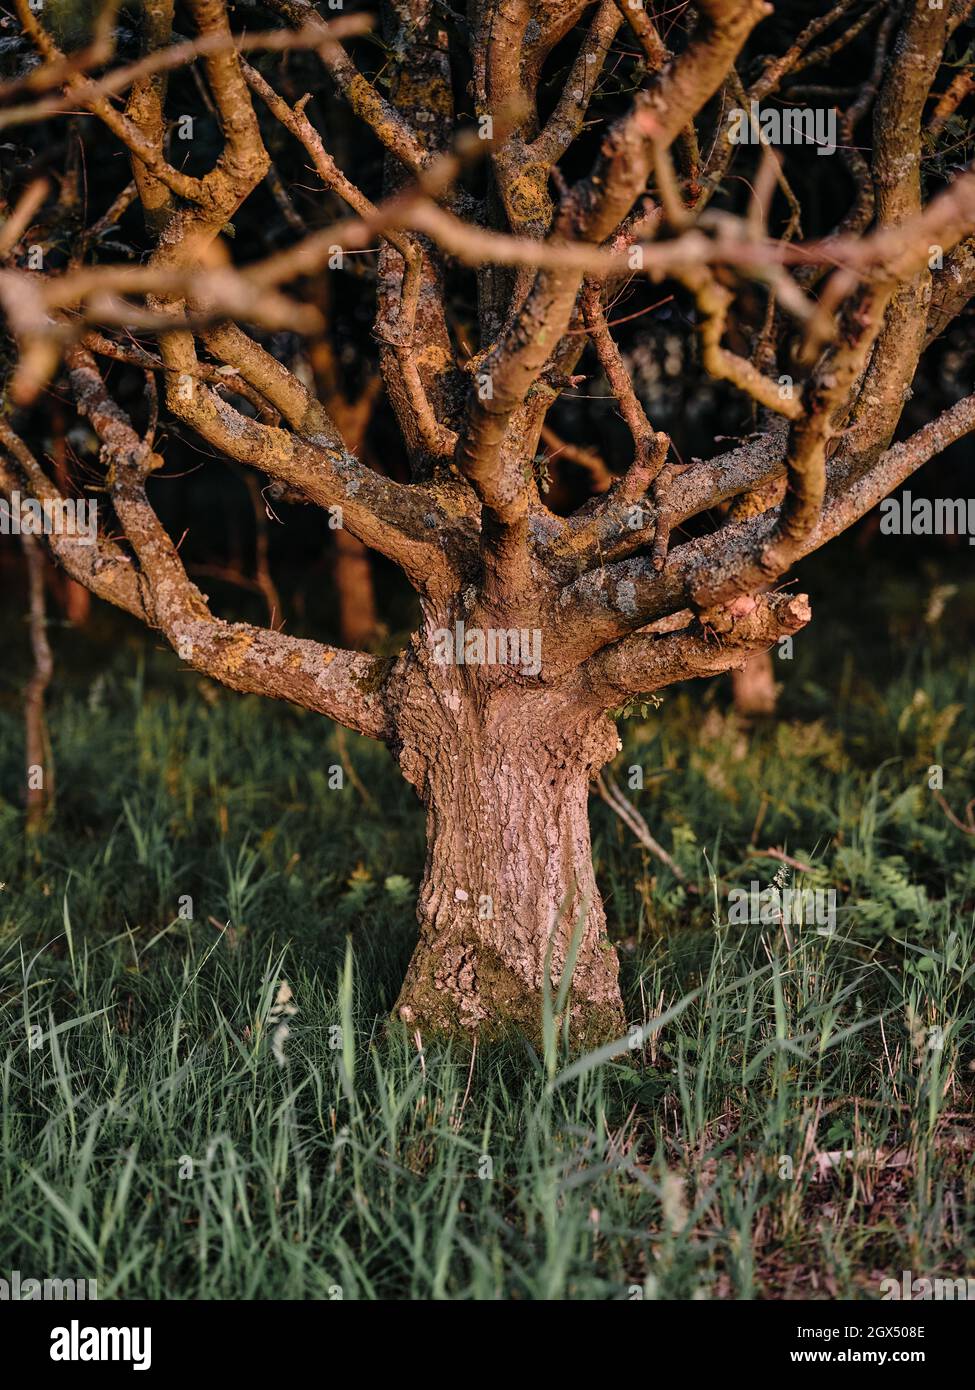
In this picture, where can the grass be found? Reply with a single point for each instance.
(795, 1122)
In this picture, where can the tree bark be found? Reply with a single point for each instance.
(503, 770)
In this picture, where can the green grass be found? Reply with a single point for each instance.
(799, 1124)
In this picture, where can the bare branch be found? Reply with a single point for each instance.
(566, 120)
(605, 604)
(369, 105)
(346, 686)
(610, 792)
(102, 567)
(713, 302)
(645, 663)
(162, 60)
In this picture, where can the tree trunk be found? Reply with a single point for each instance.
(77, 603)
(753, 687)
(357, 599)
(73, 597)
(40, 769)
(504, 770)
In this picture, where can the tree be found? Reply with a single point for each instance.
(535, 626)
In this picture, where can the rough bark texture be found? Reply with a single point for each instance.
(503, 771)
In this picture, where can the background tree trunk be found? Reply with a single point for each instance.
(754, 687)
(77, 603)
(74, 598)
(358, 623)
(39, 763)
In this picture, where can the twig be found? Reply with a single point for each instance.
(967, 826)
(782, 857)
(627, 812)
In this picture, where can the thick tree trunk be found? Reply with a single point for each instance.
(504, 772)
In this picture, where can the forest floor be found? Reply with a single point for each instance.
(799, 1123)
